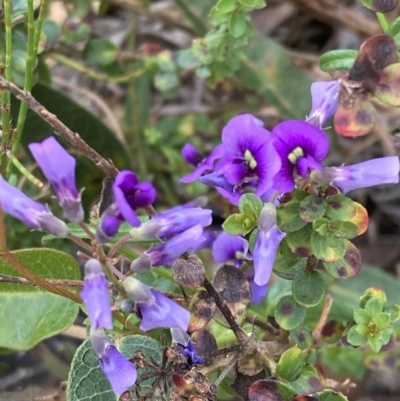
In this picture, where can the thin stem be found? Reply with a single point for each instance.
(118, 244)
(94, 74)
(32, 49)
(323, 317)
(114, 270)
(383, 21)
(87, 230)
(239, 333)
(4, 278)
(23, 170)
(5, 96)
(3, 238)
(80, 242)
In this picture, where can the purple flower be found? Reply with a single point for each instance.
(155, 309)
(186, 347)
(120, 372)
(192, 156)
(130, 194)
(380, 171)
(168, 252)
(301, 147)
(258, 292)
(267, 243)
(31, 213)
(230, 248)
(250, 159)
(59, 168)
(325, 101)
(96, 297)
(109, 224)
(172, 222)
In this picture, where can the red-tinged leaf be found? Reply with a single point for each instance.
(354, 117)
(388, 88)
(270, 390)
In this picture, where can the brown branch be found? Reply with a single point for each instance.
(61, 129)
(334, 13)
(4, 278)
(322, 319)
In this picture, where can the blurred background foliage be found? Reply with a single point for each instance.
(137, 79)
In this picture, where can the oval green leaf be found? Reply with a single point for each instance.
(308, 287)
(288, 313)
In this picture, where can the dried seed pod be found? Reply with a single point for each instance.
(188, 271)
(139, 360)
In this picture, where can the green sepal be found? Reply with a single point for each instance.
(341, 59)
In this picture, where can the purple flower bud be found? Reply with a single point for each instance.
(130, 194)
(301, 147)
(155, 309)
(168, 252)
(96, 297)
(33, 214)
(120, 372)
(267, 243)
(325, 101)
(230, 248)
(172, 222)
(109, 224)
(384, 170)
(59, 168)
(192, 156)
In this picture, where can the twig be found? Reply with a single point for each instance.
(261, 325)
(119, 243)
(80, 242)
(4, 278)
(87, 230)
(322, 319)
(334, 13)
(238, 331)
(72, 137)
(75, 331)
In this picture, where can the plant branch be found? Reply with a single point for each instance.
(322, 319)
(4, 278)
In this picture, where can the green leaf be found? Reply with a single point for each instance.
(100, 51)
(290, 364)
(270, 390)
(394, 31)
(330, 395)
(312, 208)
(362, 316)
(86, 380)
(288, 217)
(332, 331)
(254, 4)
(341, 59)
(375, 343)
(234, 224)
(253, 202)
(328, 248)
(308, 287)
(237, 24)
(346, 267)
(394, 312)
(299, 241)
(373, 306)
(302, 337)
(309, 382)
(346, 229)
(340, 207)
(30, 314)
(380, 6)
(288, 313)
(355, 338)
(226, 6)
(381, 320)
(287, 264)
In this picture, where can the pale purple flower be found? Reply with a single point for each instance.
(31, 213)
(154, 309)
(120, 372)
(192, 156)
(168, 252)
(268, 239)
(130, 194)
(172, 222)
(95, 295)
(325, 101)
(301, 147)
(250, 161)
(230, 248)
(258, 292)
(384, 170)
(59, 168)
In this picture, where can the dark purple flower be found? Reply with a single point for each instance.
(120, 372)
(111, 219)
(186, 347)
(301, 147)
(267, 243)
(155, 309)
(250, 158)
(96, 297)
(168, 252)
(325, 101)
(172, 222)
(59, 168)
(130, 194)
(192, 156)
(230, 248)
(31, 213)
(384, 170)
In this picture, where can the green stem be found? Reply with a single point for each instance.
(383, 21)
(32, 49)
(23, 169)
(5, 95)
(94, 74)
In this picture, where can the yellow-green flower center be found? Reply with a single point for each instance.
(251, 161)
(295, 155)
